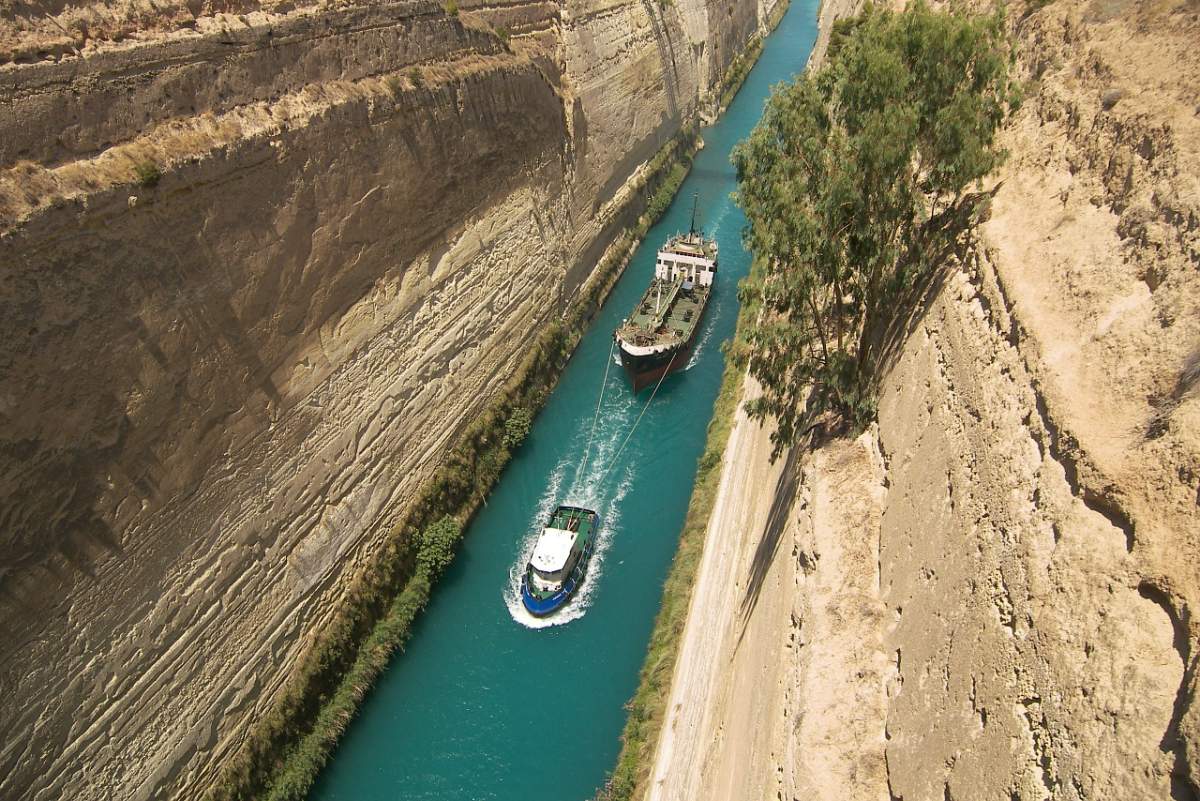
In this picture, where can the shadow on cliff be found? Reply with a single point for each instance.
(53, 536)
(666, 54)
(1177, 737)
(913, 303)
(61, 489)
(772, 535)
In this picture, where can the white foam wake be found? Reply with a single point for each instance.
(714, 226)
(705, 335)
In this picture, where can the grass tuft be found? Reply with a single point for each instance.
(148, 174)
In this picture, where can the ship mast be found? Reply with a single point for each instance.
(695, 201)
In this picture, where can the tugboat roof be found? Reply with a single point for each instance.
(552, 549)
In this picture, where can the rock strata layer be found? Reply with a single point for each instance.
(261, 262)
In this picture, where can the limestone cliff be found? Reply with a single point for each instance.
(260, 263)
(991, 594)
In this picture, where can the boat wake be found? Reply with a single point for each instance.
(595, 487)
(705, 335)
(699, 349)
(714, 226)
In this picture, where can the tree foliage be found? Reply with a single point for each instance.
(855, 187)
(844, 28)
(438, 542)
(516, 427)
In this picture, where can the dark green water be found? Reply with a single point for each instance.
(482, 705)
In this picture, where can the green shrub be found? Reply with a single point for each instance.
(438, 542)
(417, 77)
(451, 7)
(516, 427)
(148, 174)
(665, 193)
(844, 28)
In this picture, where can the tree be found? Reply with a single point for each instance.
(854, 185)
(438, 541)
(516, 427)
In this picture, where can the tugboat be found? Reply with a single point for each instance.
(559, 560)
(657, 338)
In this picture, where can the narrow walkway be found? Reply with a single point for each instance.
(718, 715)
(780, 687)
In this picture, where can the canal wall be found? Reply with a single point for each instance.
(989, 594)
(263, 264)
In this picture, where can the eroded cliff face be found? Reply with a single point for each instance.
(990, 594)
(260, 263)
(1054, 387)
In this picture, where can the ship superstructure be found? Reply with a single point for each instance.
(657, 338)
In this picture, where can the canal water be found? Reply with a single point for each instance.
(487, 702)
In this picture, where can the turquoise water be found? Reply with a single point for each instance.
(483, 705)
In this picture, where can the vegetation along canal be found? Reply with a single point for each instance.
(488, 703)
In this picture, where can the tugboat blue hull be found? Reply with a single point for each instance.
(549, 605)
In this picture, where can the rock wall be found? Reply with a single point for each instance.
(260, 264)
(990, 594)
(1064, 417)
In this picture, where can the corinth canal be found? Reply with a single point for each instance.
(485, 702)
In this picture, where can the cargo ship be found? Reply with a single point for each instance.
(658, 337)
(559, 560)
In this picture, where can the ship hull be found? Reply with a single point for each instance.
(644, 371)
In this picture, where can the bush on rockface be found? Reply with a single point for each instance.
(148, 174)
(516, 427)
(438, 542)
